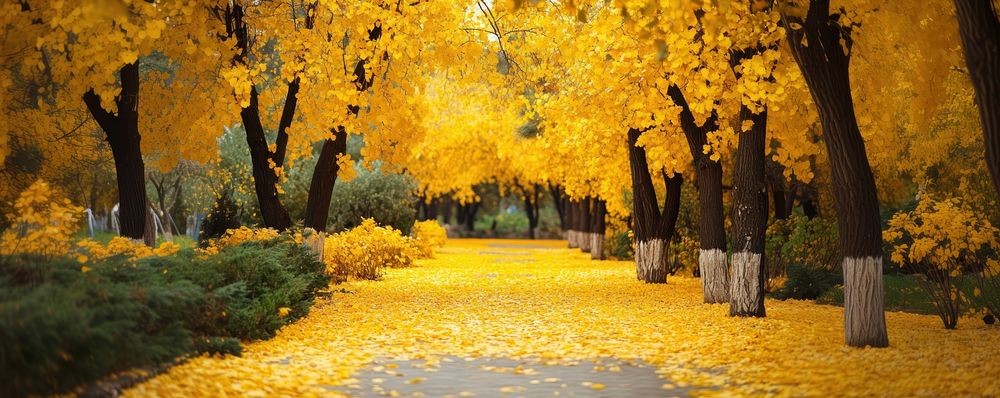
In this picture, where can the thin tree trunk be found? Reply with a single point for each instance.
(585, 217)
(775, 176)
(825, 65)
(979, 26)
(712, 262)
(122, 134)
(323, 179)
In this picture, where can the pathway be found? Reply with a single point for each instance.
(531, 318)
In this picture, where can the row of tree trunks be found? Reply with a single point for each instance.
(713, 263)
(466, 215)
(979, 27)
(531, 196)
(122, 133)
(824, 63)
(598, 226)
(428, 209)
(652, 228)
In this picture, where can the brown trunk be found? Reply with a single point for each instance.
(585, 220)
(265, 179)
(572, 221)
(824, 63)
(599, 225)
(652, 229)
(559, 202)
(714, 269)
(746, 288)
(323, 179)
(979, 26)
(775, 176)
(122, 134)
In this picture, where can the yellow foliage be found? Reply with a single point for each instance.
(428, 236)
(42, 223)
(234, 237)
(556, 306)
(121, 246)
(366, 250)
(940, 233)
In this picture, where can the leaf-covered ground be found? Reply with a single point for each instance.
(540, 308)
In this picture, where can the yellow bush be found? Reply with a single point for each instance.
(365, 251)
(118, 245)
(42, 223)
(429, 236)
(234, 237)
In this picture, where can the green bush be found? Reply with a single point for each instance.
(807, 283)
(61, 327)
(386, 197)
(225, 215)
(619, 245)
(807, 242)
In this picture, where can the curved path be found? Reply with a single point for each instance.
(531, 318)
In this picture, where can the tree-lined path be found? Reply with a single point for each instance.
(537, 316)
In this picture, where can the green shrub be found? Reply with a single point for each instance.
(386, 197)
(619, 245)
(60, 327)
(225, 215)
(807, 283)
(807, 242)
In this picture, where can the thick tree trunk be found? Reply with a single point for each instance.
(746, 288)
(559, 202)
(599, 225)
(323, 179)
(712, 260)
(122, 134)
(652, 229)
(979, 26)
(825, 66)
(586, 214)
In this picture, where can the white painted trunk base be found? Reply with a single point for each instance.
(714, 268)
(864, 302)
(585, 242)
(573, 240)
(651, 261)
(596, 246)
(745, 287)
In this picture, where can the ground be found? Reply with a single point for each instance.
(532, 318)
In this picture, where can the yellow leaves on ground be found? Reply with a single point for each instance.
(555, 305)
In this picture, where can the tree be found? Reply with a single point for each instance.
(821, 46)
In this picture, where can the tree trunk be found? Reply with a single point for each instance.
(775, 176)
(470, 216)
(652, 229)
(979, 26)
(572, 221)
(585, 221)
(265, 180)
(825, 66)
(122, 134)
(559, 202)
(323, 179)
(531, 209)
(712, 262)
(597, 229)
(746, 289)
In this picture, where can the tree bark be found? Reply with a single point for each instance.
(585, 221)
(746, 289)
(573, 221)
(265, 178)
(712, 262)
(122, 133)
(559, 202)
(775, 176)
(979, 26)
(652, 229)
(599, 225)
(825, 65)
(323, 179)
